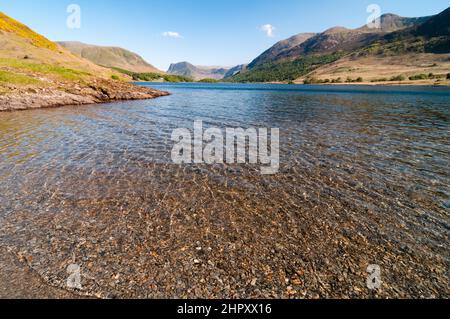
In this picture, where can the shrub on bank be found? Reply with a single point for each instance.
(150, 77)
(317, 81)
(310, 81)
(398, 78)
(208, 80)
(379, 80)
(358, 80)
(338, 80)
(429, 76)
(418, 77)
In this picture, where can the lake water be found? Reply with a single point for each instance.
(364, 179)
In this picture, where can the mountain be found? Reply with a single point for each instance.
(435, 26)
(431, 36)
(438, 25)
(279, 47)
(334, 39)
(36, 72)
(391, 22)
(197, 72)
(419, 54)
(396, 36)
(110, 57)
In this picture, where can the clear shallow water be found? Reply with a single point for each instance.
(355, 161)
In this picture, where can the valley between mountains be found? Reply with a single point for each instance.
(36, 72)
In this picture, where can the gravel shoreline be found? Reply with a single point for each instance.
(223, 237)
(18, 281)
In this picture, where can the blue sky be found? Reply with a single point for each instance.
(203, 32)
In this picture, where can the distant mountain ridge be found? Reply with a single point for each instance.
(197, 72)
(235, 70)
(113, 57)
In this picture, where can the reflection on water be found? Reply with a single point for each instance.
(364, 179)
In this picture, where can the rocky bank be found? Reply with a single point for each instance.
(73, 93)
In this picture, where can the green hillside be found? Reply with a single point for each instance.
(110, 57)
(285, 70)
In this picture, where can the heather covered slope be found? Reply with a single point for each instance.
(36, 72)
(113, 57)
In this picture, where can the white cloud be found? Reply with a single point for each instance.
(268, 29)
(172, 34)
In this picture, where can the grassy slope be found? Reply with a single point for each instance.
(28, 66)
(29, 59)
(110, 57)
(10, 77)
(10, 25)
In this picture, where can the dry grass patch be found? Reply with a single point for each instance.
(401, 68)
